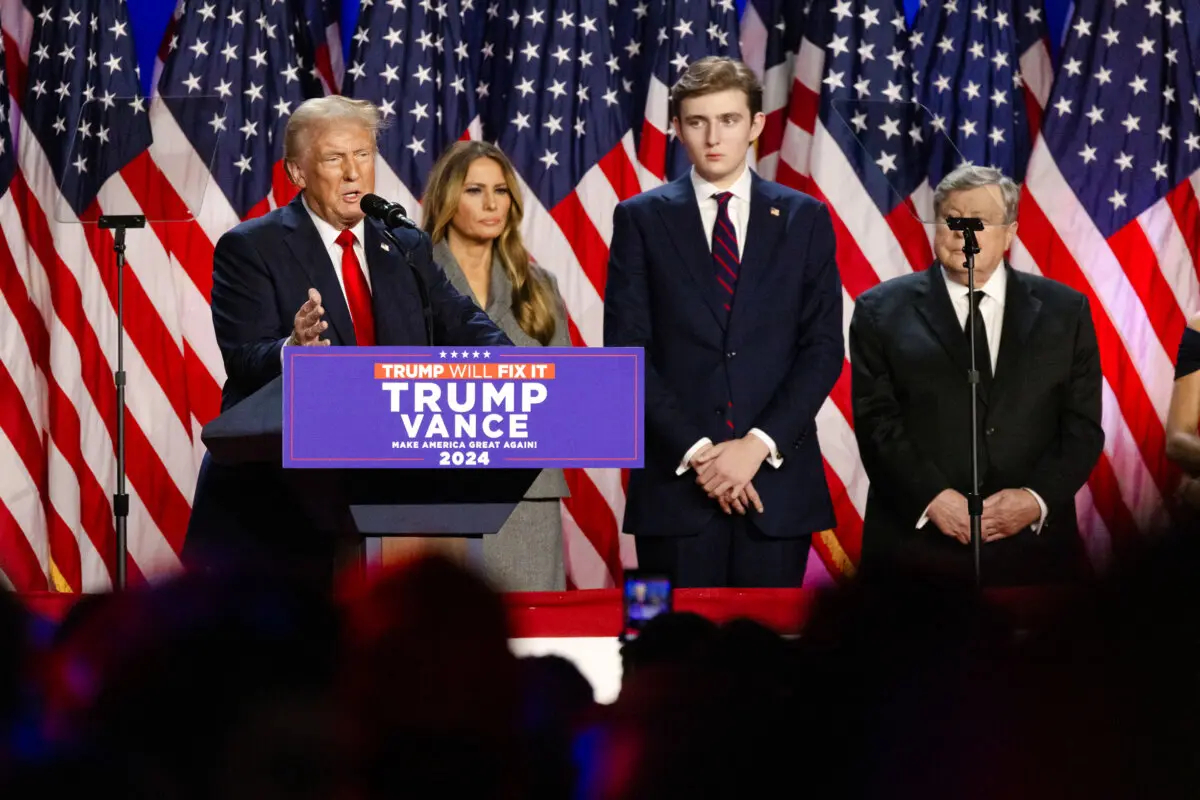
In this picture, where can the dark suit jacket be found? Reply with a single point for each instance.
(262, 270)
(1039, 421)
(775, 361)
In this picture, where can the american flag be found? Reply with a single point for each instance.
(967, 64)
(325, 33)
(228, 76)
(24, 546)
(80, 122)
(635, 42)
(689, 30)
(243, 53)
(852, 58)
(492, 37)
(770, 37)
(1110, 209)
(424, 83)
(564, 129)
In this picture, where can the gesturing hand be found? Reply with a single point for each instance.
(308, 326)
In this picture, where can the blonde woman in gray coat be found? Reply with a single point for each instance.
(472, 211)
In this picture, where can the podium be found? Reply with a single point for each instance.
(358, 504)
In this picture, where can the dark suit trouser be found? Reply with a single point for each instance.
(728, 551)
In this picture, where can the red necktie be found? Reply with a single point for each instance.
(358, 294)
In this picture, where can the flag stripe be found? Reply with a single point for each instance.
(594, 517)
(143, 461)
(15, 572)
(1112, 514)
(1136, 255)
(17, 555)
(1183, 204)
(16, 299)
(1057, 262)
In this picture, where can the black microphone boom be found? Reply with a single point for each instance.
(391, 214)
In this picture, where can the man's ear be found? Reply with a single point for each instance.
(757, 123)
(1009, 236)
(294, 174)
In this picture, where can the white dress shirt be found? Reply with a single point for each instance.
(991, 308)
(329, 235)
(739, 215)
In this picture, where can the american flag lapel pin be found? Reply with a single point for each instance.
(774, 212)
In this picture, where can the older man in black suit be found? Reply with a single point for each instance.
(1039, 404)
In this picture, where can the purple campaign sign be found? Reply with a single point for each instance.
(421, 407)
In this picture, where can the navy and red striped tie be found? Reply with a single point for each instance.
(726, 265)
(726, 262)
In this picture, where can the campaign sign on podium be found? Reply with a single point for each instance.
(453, 407)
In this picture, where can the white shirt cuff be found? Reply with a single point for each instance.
(1037, 527)
(924, 517)
(773, 457)
(285, 344)
(686, 464)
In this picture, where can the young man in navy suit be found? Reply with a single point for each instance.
(314, 272)
(729, 283)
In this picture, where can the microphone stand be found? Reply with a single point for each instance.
(118, 224)
(968, 226)
(422, 289)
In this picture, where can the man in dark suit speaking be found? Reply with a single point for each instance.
(314, 272)
(730, 284)
(1038, 404)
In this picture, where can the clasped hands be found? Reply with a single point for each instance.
(1006, 513)
(724, 472)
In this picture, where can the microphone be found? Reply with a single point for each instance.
(953, 223)
(392, 215)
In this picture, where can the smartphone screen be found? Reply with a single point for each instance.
(646, 596)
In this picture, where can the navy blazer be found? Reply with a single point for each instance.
(263, 268)
(769, 366)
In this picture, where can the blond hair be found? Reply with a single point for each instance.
(533, 299)
(320, 111)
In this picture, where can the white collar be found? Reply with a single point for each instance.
(995, 287)
(740, 188)
(327, 232)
